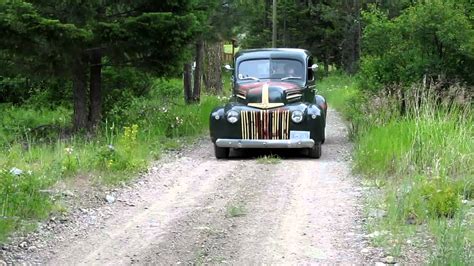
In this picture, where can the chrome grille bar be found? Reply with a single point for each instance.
(265, 124)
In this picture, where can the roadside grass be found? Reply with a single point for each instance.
(269, 159)
(420, 164)
(341, 93)
(338, 89)
(131, 137)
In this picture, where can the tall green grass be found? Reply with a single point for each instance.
(132, 136)
(422, 160)
(436, 141)
(339, 90)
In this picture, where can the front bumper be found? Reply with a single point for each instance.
(265, 143)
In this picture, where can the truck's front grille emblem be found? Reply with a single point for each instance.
(265, 124)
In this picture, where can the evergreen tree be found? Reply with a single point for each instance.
(69, 38)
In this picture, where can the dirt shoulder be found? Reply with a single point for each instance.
(192, 208)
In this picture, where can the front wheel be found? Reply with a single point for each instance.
(324, 136)
(221, 153)
(315, 152)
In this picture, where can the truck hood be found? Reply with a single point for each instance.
(271, 94)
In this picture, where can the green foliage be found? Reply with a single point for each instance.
(434, 39)
(123, 155)
(21, 198)
(426, 141)
(70, 162)
(418, 199)
(269, 159)
(31, 124)
(340, 91)
(124, 145)
(453, 242)
(120, 85)
(422, 162)
(442, 197)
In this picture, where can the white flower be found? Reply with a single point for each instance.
(69, 150)
(16, 171)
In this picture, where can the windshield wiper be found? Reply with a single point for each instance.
(247, 78)
(287, 78)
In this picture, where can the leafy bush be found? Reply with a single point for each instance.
(35, 93)
(167, 88)
(120, 85)
(433, 38)
(441, 196)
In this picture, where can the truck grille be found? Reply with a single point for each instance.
(265, 124)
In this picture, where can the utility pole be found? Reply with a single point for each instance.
(274, 30)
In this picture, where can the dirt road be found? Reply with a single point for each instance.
(196, 209)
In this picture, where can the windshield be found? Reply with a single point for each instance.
(270, 69)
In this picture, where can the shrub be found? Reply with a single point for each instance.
(432, 38)
(120, 85)
(418, 199)
(441, 196)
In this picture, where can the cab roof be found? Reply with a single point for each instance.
(287, 53)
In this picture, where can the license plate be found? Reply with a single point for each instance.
(299, 134)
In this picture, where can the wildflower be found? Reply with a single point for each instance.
(111, 147)
(16, 171)
(69, 150)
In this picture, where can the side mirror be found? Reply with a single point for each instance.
(314, 67)
(228, 68)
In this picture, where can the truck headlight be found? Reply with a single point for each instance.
(216, 115)
(232, 116)
(297, 116)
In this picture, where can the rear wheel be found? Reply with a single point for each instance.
(315, 152)
(221, 153)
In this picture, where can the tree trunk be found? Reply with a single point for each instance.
(274, 24)
(198, 71)
(213, 66)
(187, 80)
(95, 87)
(80, 95)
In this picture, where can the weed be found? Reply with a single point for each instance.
(236, 211)
(269, 159)
(70, 162)
(453, 242)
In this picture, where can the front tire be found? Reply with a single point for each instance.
(324, 136)
(221, 153)
(315, 152)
